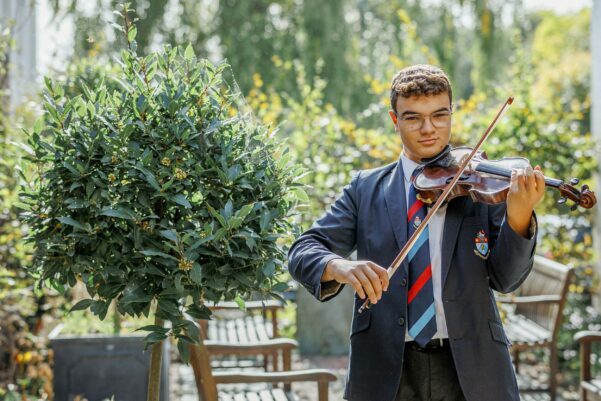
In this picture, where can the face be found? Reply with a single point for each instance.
(424, 124)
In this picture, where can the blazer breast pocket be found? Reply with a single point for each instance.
(475, 221)
(474, 235)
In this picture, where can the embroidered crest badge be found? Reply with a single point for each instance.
(417, 221)
(481, 242)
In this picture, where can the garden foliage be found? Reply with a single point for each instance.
(158, 190)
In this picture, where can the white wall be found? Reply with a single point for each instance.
(22, 78)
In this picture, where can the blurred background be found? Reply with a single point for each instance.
(319, 72)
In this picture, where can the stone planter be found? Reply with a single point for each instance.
(98, 367)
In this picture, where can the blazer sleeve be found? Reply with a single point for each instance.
(332, 236)
(512, 255)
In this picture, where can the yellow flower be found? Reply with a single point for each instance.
(258, 82)
(144, 225)
(277, 61)
(112, 178)
(403, 16)
(180, 174)
(184, 264)
(165, 161)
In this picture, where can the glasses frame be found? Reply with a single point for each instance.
(423, 118)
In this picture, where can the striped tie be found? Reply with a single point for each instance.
(420, 299)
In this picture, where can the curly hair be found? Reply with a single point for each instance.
(419, 80)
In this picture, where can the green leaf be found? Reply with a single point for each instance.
(118, 213)
(240, 302)
(199, 311)
(154, 327)
(151, 252)
(228, 210)
(70, 222)
(38, 126)
(154, 337)
(148, 177)
(181, 200)
(269, 268)
(81, 305)
(169, 306)
(131, 35)
(217, 215)
(169, 234)
(264, 220)
(301, 195)
(196, 273)
(189, 53)
(245, 210)
(184, 350)
(280, 287)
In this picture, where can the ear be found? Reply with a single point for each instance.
(393, 116)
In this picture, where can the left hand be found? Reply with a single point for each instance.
(526, 190)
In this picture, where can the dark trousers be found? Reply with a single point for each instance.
(429, 374)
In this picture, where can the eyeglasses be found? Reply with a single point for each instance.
(439, 119)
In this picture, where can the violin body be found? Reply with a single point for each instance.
(484, 180)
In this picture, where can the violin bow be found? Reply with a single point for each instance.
(441, 199)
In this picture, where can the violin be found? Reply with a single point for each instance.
(485, 180)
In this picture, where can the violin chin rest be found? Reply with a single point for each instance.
(443, 159)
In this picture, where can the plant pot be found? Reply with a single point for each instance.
(98, 367)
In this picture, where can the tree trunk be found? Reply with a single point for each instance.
(203, 375)
(154, 375)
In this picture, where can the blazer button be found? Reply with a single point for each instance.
(401, 321)
(404, 282)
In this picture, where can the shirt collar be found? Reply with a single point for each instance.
(408, 166)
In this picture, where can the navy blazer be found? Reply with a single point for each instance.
(370, 217)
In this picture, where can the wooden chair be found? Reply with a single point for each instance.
(207, 380)
(259, 324)
(536, 320)
(590, 388)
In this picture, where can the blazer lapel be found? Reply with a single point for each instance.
(454, 215)
(396, 206)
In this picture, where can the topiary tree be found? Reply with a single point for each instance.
(159, 194)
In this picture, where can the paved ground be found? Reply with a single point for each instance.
(182, 387)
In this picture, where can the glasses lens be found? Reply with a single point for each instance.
(441, 120)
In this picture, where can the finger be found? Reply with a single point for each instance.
(540, 180)
(513, 186)
(382, 274)
(530, 180)
(366, 284)
(521, 179)
(374, 279)
(357, 286)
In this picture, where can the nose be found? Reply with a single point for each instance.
(427, 126)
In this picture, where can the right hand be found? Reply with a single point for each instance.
(367, 278)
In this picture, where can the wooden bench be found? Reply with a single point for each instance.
(230, 325)
(590, 388)
(275, 385)
(536, 318)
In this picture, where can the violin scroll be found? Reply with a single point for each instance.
(584, 198)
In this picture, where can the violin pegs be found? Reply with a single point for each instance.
(562, 200)
(584, 188)
(574, 181)
(574, 207)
